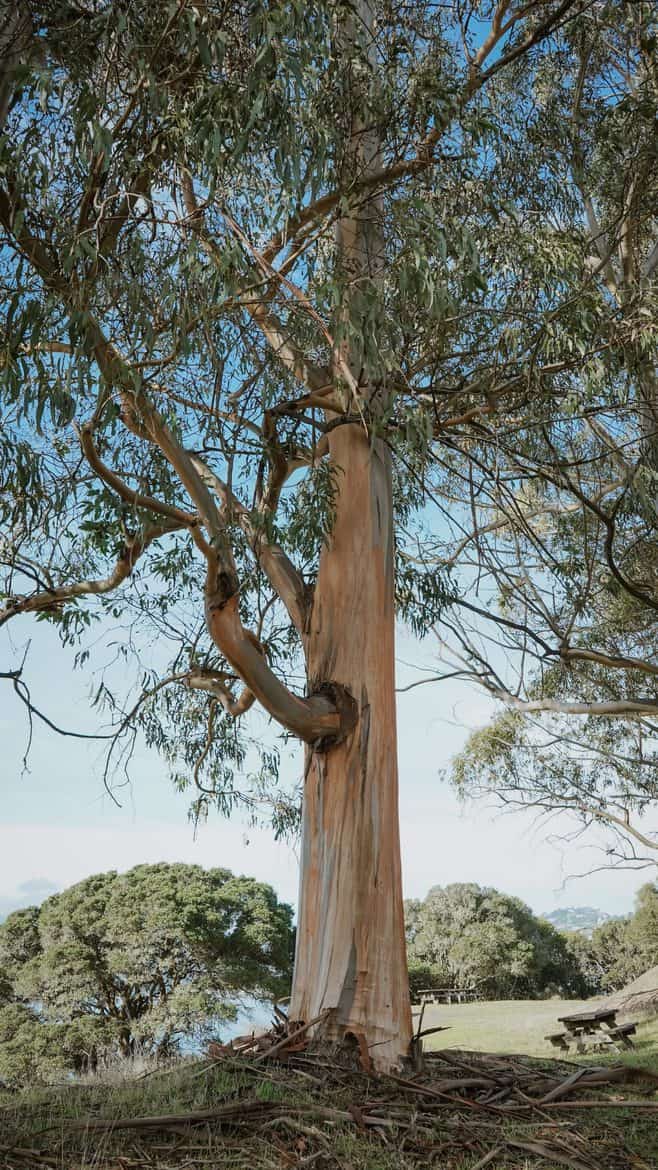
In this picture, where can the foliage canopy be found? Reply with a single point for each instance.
(137, 961)
(173, 337)
(622, 949)
(465, 935)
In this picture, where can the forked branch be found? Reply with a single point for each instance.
(135, 498)
(277, 566)
(319, 719)
(215, 684)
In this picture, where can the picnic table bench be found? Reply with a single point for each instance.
(447, 994)
(598, 1028)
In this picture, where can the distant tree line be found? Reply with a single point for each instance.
(621, 949)
(162, 956)
(135, 962)
(464, 935)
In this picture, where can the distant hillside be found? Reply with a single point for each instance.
(582, 918)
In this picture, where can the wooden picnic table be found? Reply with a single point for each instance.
(598, 1027)
(589, 1022)
(446, 994)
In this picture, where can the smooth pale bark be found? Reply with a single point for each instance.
(351, 954)
(16, 43)
(648, 414)
(350, 937)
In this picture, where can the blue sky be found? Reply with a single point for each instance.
(59, 825)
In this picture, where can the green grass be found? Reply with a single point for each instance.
(503, 1026)
(519, 1026)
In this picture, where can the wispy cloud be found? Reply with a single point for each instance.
(29, 893)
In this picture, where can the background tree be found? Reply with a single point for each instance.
(602, 772)
(280, 281)
(612, 951)
(621, 950)
(34, 1051)
(140, 959)
(580, 947)
(643, 926)
(469, 935)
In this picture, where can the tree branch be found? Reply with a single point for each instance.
(312, 377)
(277, 566)
(17, 40)
(135, 498)
(424, 156)
(23, 693)
(316, 719)
(53, 599)
(611, 708)
(614, 662)
(551, 803)
(214, 683)
(651, 262)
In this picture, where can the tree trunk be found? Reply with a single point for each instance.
(350, 939)
(351, 954)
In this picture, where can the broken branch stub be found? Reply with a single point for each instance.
(348, 712)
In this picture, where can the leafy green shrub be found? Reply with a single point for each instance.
(135, 961)
(466, 934)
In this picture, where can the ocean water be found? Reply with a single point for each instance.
(255, 1016)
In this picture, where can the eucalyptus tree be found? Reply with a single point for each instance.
(280, 279)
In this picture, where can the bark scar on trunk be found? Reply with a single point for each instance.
(348, 711)
(226, 587)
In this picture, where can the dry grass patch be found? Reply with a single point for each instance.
(464, 1111)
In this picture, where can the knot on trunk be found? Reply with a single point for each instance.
(222, 588)
(347, 708)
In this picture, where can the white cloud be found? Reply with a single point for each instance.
(70, 853)
(441, 843)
